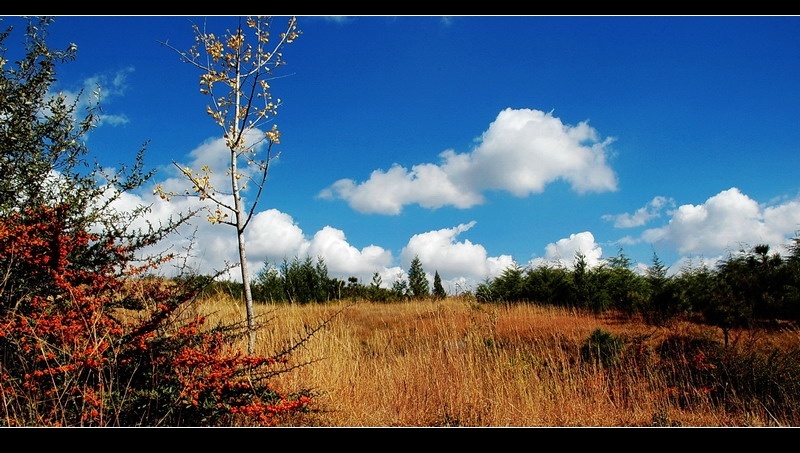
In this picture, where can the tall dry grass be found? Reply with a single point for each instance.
(458, 363)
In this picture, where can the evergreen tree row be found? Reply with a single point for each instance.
(303, 281)
(751, 286)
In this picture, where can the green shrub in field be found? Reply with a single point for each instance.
(601, 348)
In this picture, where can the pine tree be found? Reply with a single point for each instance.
(417, 282)
(438, 290)
(376, 292)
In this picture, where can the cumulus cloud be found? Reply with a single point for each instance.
(345, 259)
(642, 215)
(439, 251)
(521, 152)
(728, 221)
(274, 235)
(563, 252)
(215, 155)
(387, 192)
(460, 264)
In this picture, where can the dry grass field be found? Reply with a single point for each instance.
(458, 363)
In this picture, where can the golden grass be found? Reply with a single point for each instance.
(458, 363)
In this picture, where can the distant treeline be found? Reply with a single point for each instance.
(302, 281)
(751, 286)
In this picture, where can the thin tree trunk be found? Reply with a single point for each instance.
(241, 216)
(248, 294)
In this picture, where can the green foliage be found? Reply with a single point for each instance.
(590, 286)
(400, 289)
(510, 284)
(581, 282)
(483, 292)
(268, 284)
(601, 348)
(38, 135)
(300, 281)
(438, 290)
(756, 280)
(625, 289)
(753, 286)
(417, 282)
(44, 167)
(736, 293)
(376, 293)
(791, 282)
(696, 287)
(354, 289)
(548, 285)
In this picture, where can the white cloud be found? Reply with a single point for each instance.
(215, 156)
(642, 215)
(387, 192)
(345, 259)
(460, 264)
(270, 236)
(563, 252)
(521, 152)
(726, 222)
(274, 235)
(784, 218)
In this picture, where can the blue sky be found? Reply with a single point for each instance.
(475, 142)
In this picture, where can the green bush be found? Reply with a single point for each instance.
(602, 348)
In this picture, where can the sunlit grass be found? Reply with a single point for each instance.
(459, 363)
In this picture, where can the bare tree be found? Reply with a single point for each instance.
(236, 72)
